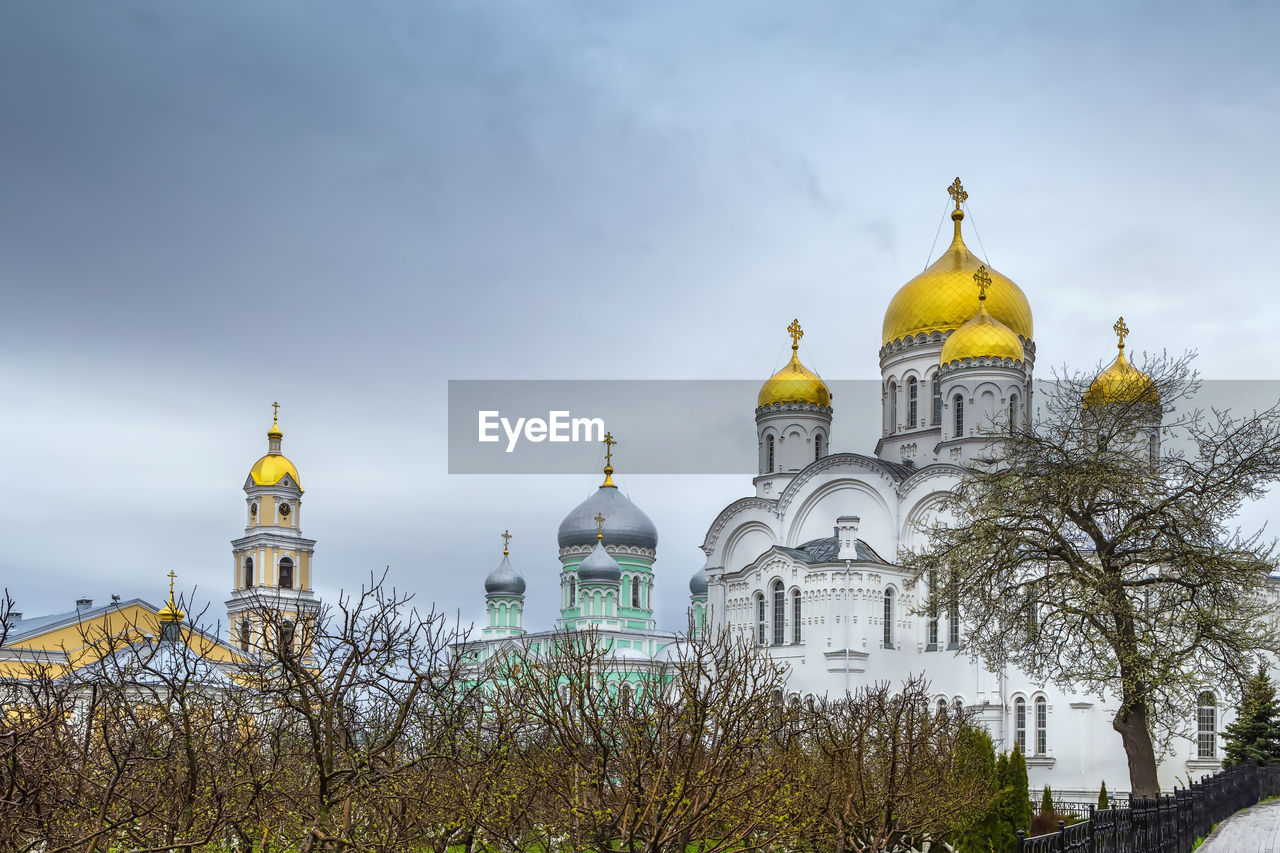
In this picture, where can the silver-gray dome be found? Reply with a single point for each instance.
(504, 580)
(624, 523)
(698, 583)
(599, 567)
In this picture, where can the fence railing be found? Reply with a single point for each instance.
(1166, 824)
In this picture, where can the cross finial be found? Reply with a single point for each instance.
(172, 575)
(275, 413)
(506, 542)
(957, 193)
(796, 334)
(1121, 330)
(609, 441)
(983, 278)
(599, 520)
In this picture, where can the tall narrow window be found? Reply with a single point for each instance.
(244, 635)
(1207, 726)
(573, 592)
(768, 444)
(1020, 724)
(626, 698)
(937, 401)
(932, 638)
(796, 635)
(817, 447)
(1013, 411)
(1042, 726)
(779, 614)
(957, 402)
(888, 618)
(762, 624)
(953, 616)
(286, 573)
(893, 407)
(912, 406)
(635, 592)
(248, 572)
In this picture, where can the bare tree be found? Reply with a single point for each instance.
(1096, 548)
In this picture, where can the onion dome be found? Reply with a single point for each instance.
(171, 612)
(599, 567)
(698, 583)
(794, 383)
(628, 525)
(983, 336)
(273, 467)
(939, 299)
(504, 580)
(1121, 382)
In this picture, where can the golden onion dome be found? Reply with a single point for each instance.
(171, 612)
(940, 298)
(273, 467)
(983, 336)
(1121, 382)
(794, 383)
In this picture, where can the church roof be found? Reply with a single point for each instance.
(826, 551)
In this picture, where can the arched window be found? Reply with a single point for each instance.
(1013, 411)
(1042, 726)
(779, 614)
(912, 407)
(762, 624)
(796, 635)
(937, 401)
(893, 407)
(953, 616)
(1020, 724)
(817, 447)
(958, 403)
(888, 618)
(635, 592)
(573, 592)
(768, 446)
(942, 705)
(1207, 726)
(284, 637)
(626, 697)
(244, 635)
(286, 573)
(248, 572)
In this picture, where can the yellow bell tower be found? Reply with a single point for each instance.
(272, 603)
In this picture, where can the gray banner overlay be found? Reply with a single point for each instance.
(676, 426)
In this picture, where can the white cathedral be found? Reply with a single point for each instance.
(804, 565)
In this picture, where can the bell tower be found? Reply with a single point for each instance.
(272, 602)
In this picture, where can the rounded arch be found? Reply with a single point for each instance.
(285, 570)
(746, 543)
(823, 494)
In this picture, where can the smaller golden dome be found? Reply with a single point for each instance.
(982, 336)
(171, 612)
(1121, 382)
(271, 469)
(794, 383)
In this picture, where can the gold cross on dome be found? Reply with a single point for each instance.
(983, 278)
(506, 542)
(796, 334)
(599, 520)
(275, 412)
(1121, 330)
(172, 575)
(609, 441)
(957, 193)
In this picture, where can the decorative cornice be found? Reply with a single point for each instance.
(625, 550)
(1005, 363)
(722, 520)
(794, 407)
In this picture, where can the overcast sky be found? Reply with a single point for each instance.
(205, 207)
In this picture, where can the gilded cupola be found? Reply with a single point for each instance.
(982, 336)
(272, 468)
(1121, 382)
(940, 299)
(794, 383)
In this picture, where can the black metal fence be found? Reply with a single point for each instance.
(1167, 824)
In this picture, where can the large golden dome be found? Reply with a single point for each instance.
(1121, 382)
(982, 336)
(940, 299)
(273, 467)
(794, 383)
